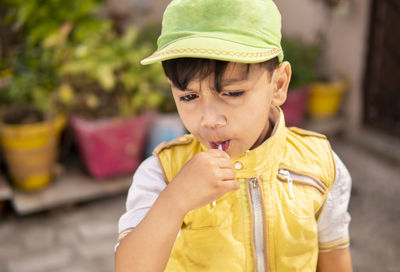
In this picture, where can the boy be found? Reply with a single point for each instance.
(242, 192)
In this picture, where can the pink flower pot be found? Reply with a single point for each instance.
(111, 147)
(295, 106)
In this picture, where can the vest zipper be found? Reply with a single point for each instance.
(286, 174)
(258, 223)
(291, 177)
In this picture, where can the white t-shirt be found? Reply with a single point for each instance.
(333, 222)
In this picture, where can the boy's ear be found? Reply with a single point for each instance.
(280, 80)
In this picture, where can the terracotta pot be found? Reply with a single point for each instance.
(295, 106)
(111, 147)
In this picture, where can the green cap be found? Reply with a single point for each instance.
(247, 31)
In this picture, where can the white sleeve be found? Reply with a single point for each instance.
(333, 222)
(148, 183)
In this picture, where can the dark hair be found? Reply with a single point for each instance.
(182, 70)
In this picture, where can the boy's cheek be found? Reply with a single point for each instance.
(186, 121)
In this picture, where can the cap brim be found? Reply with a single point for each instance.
(212, 48)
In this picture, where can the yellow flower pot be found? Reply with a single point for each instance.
(325, 99)
(30, 151)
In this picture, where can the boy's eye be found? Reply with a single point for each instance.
(188, 97)
(234, 93)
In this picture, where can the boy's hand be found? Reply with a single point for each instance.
(204, 178)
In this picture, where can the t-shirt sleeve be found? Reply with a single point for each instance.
(148, 183)
(333, 222)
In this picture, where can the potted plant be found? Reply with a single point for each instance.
(114, 98)
(30, 127)
(327, 91)
(32, 119)
(303, 57)
(325, 98)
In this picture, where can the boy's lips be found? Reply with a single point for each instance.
(224, 145)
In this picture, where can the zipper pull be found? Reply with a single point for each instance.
(291, 191)
(254, 183)
(285, 173)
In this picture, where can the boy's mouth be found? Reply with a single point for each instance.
(223, 144)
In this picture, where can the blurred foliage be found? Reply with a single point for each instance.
(29, 70)
(303, 58)
(104, 75)
(69, 56)
(39, 20)
(29, 81)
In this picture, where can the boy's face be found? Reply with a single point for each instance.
(237, 118)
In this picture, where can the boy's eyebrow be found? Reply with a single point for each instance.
(225, 82)
(232, 81)
(185, 90)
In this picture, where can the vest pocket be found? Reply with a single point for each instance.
(296, 248)
(300, 193)
(210, 216)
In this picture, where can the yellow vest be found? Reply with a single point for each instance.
(271, 221)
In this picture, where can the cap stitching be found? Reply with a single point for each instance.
(216, 52)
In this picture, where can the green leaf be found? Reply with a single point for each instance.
(129, 80)
(76, 67)
(65, 93)
(24, 12)
(106, 78)
(38, 33)
(154, 99)
(138, 100)
(129, 36)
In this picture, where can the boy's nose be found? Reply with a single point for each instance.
(211, 119)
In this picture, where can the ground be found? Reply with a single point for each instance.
(82, 237)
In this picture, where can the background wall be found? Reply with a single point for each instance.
(347, 36)
(138, 12)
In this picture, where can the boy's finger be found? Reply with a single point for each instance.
(223, 164)
(218, 153)
(231, 185)
(228, 174)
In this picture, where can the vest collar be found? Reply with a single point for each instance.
(266, 155)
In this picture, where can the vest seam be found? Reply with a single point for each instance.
(301, 183)
(265, 227)
(332, 161)
(274, 237)
(305, 173)
(318, 213)
(306, 132)
(163, 170)
(333, 165)
(253, 247)
(243, 222)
